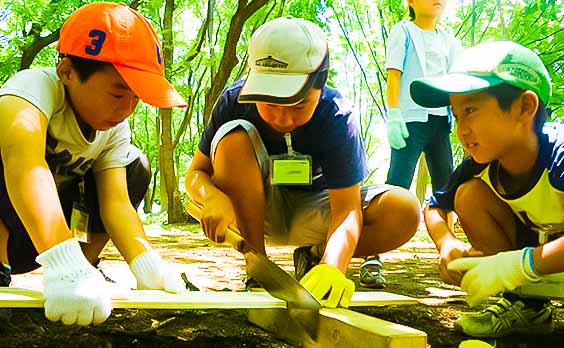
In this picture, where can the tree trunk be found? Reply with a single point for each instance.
(502, 20)
(150, 195)
(229, 59)
(473, 28)
(31, 50)
(168, 176)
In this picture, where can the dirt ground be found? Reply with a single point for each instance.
(410, 271)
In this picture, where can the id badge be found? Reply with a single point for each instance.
(290, 170)
(79, 222)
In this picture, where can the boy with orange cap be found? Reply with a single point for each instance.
(68, 167)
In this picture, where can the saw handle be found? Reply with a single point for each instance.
(232, 235)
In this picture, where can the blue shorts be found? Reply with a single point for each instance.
(22, 252)
(292, 217)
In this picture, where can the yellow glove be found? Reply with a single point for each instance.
(323, 279)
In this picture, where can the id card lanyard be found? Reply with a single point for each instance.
(80, 216)
(292, 168)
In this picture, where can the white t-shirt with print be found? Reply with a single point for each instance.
(68, 153)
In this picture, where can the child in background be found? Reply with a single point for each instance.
(416, 48)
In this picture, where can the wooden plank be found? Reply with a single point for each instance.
(157, 299)
(339, 328)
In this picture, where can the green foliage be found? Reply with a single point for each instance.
(357, 32)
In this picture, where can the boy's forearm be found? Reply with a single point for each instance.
(200, 187)
(33, 193)
(437, 225)
(125, 229)
(547, 258)
(342, 240)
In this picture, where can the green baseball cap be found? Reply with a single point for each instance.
(484, 66)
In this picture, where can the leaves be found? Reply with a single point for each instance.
(357, 32)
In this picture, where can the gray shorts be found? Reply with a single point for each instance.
(292, 217)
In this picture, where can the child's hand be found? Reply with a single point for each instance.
(489, 275)
(397, 130)
(153, 273)
(451, 250)
(217, 215)
(323, 279)
(74, 291)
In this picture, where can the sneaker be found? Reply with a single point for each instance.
(371, 273)
(508, 317)
(304, 261)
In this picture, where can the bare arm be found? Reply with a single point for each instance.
(218, 212)
(198, 181)
(450, 248)
(393, 88)
(548, 257)
(118, 215)
(345, 227)
(437, 226)
(30, 184)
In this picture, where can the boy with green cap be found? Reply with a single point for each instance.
(508, 194)
(68, 170)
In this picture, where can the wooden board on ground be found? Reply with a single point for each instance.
(157, 299)
(339, 328)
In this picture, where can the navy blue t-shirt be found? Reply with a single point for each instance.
(331, 137)
(538, 203)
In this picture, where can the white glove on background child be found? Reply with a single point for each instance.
(489, 275)
(153, 273)
(397, 129)
(74, 291)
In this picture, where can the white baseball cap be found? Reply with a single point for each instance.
(283, 55)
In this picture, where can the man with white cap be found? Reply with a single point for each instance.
(282, 159)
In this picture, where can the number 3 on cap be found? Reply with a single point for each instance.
(96, 44)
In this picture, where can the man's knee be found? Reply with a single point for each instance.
(406, 209)
(400, 208)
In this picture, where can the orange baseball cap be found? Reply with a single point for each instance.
(117, 34)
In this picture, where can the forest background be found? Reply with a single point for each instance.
(204, 49)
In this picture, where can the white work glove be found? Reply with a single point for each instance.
(489, 275)
(74, 291)
(152, 273)
(396, 129)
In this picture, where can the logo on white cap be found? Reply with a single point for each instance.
(270, 62)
